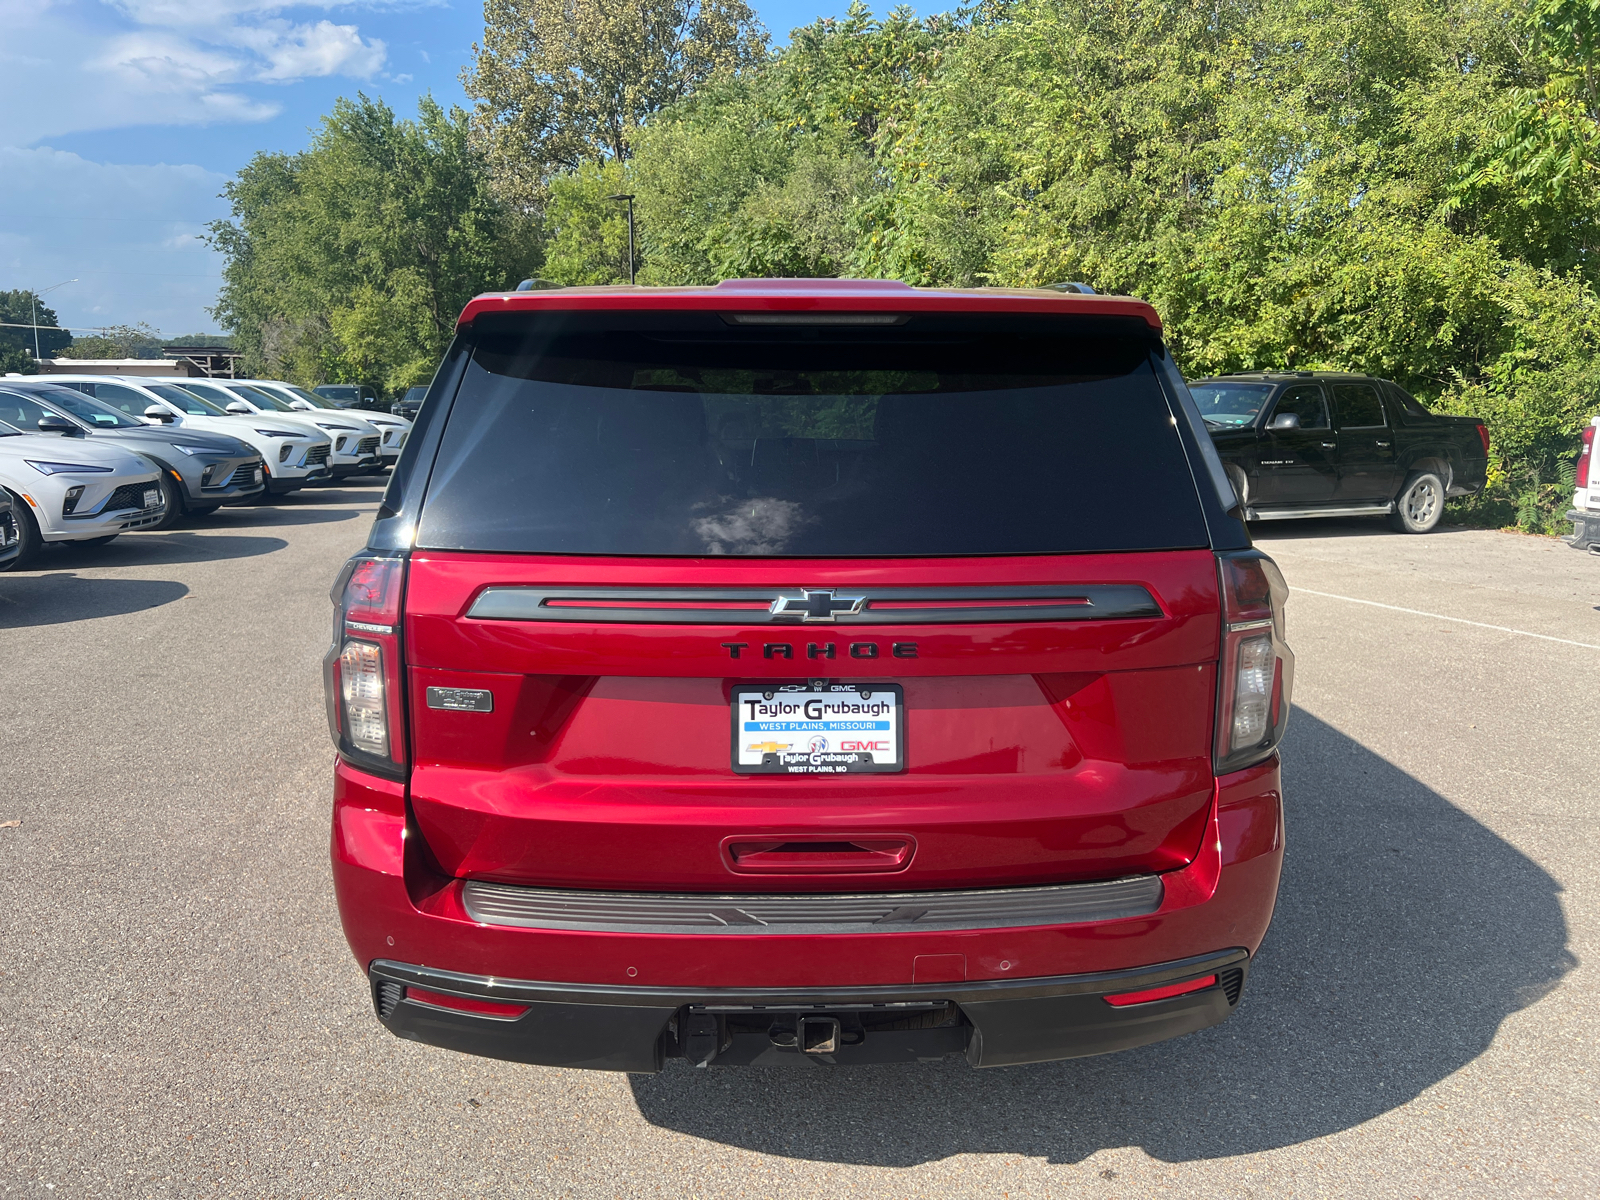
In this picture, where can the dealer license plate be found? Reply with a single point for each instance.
(152, 497)
(812, 729)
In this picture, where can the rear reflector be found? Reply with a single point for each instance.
(468, 1004)
(1123, 999)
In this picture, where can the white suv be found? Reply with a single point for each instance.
(78, 492)
(295, 453)
(356, 444)
(393, 428)
(1585, 514)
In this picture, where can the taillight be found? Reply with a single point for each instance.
(1585, 456)
(361, 672)
(1257, 667)
(1483, 436)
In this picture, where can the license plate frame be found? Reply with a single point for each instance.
(802, 758)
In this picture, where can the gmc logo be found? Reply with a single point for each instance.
(883, 746)
(823, 650)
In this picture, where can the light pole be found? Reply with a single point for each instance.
(628, 196)
(36, 296)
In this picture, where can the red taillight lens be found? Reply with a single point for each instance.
(362, 669)
(1256, 668)
(470, 1004)
(372, 594)
(1483, 436)
(1246, 589)
(1585, 457)
(1123, 999)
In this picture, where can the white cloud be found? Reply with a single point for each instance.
(74, 65)
(297, 51)
(129, 235)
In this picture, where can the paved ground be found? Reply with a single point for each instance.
(179, 1015)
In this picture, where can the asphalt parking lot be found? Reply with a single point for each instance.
(179, 1015)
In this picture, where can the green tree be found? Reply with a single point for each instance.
(140, 340)
(587, 230)
(1532, 182)
(563, 82)
(784, 171)
(351, 260)
(20, 308)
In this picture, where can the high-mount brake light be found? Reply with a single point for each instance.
(1257, 667)
(1585, 457)
(361, 672)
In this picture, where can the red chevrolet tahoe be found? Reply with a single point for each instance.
(812, 672)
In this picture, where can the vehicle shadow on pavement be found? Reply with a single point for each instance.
(1406, 932)
(62, 597)
(154, 550)
(275, 515)
(1337, 527)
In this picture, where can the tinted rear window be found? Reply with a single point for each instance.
(680, 434)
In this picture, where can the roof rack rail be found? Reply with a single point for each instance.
(538, 285)
(1082, 289)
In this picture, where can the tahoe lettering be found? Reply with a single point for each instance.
(824, 649)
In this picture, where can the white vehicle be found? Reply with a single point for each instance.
(1585, 514)
(356, 444)
(295, 453)
(394, 428)
(77, 492)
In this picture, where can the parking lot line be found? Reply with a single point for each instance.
(1417, 612)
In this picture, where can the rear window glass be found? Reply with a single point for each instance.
(1407, 402)
(683, 434)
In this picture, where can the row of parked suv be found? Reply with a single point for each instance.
(85, 458)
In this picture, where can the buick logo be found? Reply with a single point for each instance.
(813, 607)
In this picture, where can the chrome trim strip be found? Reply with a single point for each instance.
(1091, 602)
(1241, 626)
(761, 913)
(1283, 514)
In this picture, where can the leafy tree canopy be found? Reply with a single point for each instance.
(564, 82)
(21, 307)
(351, 260)
(118, 341)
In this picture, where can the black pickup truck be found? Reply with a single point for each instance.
(1330, 444)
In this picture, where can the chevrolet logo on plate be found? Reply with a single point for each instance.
(812, 607)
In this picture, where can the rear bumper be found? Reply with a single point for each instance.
(1585, 530)
(618, 1000)
(993, 1022)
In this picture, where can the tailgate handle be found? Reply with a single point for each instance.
(818, 855)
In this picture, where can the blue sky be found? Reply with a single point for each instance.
(120, 121)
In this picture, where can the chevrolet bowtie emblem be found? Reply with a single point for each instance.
(812, 606)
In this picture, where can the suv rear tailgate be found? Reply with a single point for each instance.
(1036, 751)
